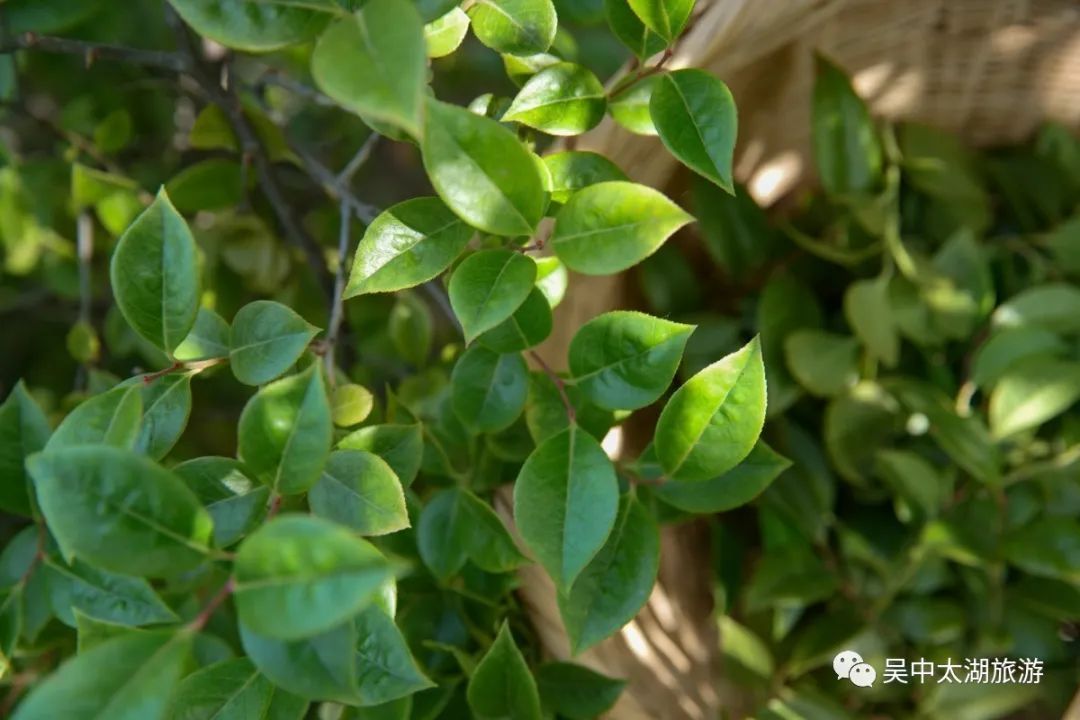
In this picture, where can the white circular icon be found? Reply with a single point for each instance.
(862, 674)
(844, 661)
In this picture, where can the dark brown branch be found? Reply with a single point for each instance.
(337, 304)
(92, 51)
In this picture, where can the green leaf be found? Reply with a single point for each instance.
(445, 35)
(712, 422)
(407, 245)
(626, 360)
(867, 309)
(374, 63)
(1032, 392)
(502, 686)
(629, 106)
(1053, 306)
(166, 404)
(11, 612)
(565, 500)
(576, 692)
(267, 339)
(517, 27)
(286, 432)
(1049, 548)
(236, 503)
(257, 25)
(298, 576)
(573, 170)
(616, 584)
(227, 690)
(456, 526)
(666, 18)
(401, 446)
(120, 511)
(487, 287)
(386, 669)
(611, 226)
(695, 116)
(786, 305)
(845, 142)
(529, 325)
(629, 29)
(129, 677)
(488, 390)
(411, 328)
(213, 184)
(112, 418)
(914, 481)
(856, 426)
(1005, 348)
(736, 487)
(24, 430)
(209, 338)
(562, 99)
(350, 404)
(552, 279)
(824, 363)
(322, 667)
(155, 275)
(481, 171)
(359, 490)
(103, 595)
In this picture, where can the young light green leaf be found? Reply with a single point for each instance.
(576, 692)
(235, 502)
(111, 418)
(867, 309)
(209, 338)
(666, 18)
(517, 27)
(385, 668)
(321, 667)
(502, 686)
(695, 116)
(166, 404)
(359, 490)
(846, 147)
(103, 595)
(1032, 392)
(616, 584)
(374, 63)
(629, 106)
(1006, 347)
(350, 404)
(155, 275)
(611, 226)
(257, 25)
(24, 430)
(736, 487)
(407, 245)
(120, 511)
(529, 325)
(227, 690)
(267, 339)
(562, 99)
(286, 432)
(488, 390)
(129, 677)
(824, 363)
(572, 170)
(298, 576)
(626, 360)
(481, 171)
(1054, 306)
(401, 446)
(444, 35)
(565, 500)
(626, 26)
(488, 286)
(712, 422)
(456, 526)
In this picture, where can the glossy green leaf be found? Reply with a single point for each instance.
(502, 686)
(298, 576)
(267, 339)
(24, 430)
(227, 690)
(445, 35)
(166, 404)
(867, 309)
(530, 325)
(235, 502)
(845, 141)
(629, 106)
(626, 360)
(694, 114)
(517, 27)
(1032, 392)
(286, 431)
(572, 170)
(321, 667)
(565, 500)
(562, 99)
(129, 677)
(666, 18)
(1054, 306)
(120, 511)
(385, 668)
(155, 276)
(103, 595)
(209, 338)
(1006, 347)
(626, 26)
(401, 446)
(456, 526)
(488, 286)
(616, 584)
(407, 245)
(374, 63)
(350, 404)
(257, 25)
(488, 390)
(824, 363)
(481, 171)
(611, 226)
(112, 418)
(736, 487)
(359, 490)
(712, 422)
(576, 692)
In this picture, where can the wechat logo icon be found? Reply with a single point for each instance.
(849, 665)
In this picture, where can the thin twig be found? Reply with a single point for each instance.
(337, 305)
(273, 77)
(326, 178)
(435, 291)
(560, 385)
(92, 51)
(211, 607)
(84, 248)
(358, 160)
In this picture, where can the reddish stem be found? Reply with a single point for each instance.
(207, 612)
(560, 385)
(275, 507)
(151, 377)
